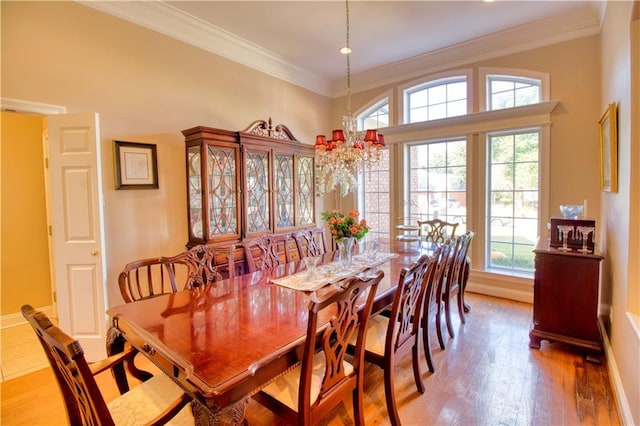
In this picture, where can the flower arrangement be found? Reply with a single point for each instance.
(345, 226)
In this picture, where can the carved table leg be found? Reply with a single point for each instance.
(215, 416)
(534, 341)
(115, 345)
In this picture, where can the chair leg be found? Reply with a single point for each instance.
(425, 339)
(392, 407)
(358, 407)
(446, 299)
(417, 374)
(461, 306)
(439, 325)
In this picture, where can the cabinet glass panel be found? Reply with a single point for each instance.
(257, 187)
(284, 191)
(304, 189)
(195, 191)
(221, 171)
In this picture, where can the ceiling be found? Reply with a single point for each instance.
(298, 41)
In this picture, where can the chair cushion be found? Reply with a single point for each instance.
(285, 388)
(145, 401)
(376, 334)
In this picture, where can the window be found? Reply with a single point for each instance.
(509, 91)
(376, 197)
(375, 117)
(446, 97)
(438, 181)
(512, 205)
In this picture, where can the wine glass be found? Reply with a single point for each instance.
(584, 232)
(373, 248)
(565, 230)
(310, 264)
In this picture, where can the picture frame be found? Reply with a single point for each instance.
(136, 165)
(608, 132)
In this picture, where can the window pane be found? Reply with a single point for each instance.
(376, 198)
(439, 189)
(513, 206)
(512, 91)
(440, 98)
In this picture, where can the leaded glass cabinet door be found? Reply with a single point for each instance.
(222, 192)
(257, 191)
(304, 173)
(284, 191)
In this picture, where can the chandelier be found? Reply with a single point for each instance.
(340, 159)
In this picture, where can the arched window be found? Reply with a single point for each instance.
(436, 99)
(376, 116)
(508, 91)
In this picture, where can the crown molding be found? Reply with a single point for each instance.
(170, 21)
(17, 105)
(518, 39)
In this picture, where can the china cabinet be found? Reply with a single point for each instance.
(247, 183)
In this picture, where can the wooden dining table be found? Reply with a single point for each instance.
(223, 342)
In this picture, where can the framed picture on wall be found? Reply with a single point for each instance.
(136, 165)
(608, 131)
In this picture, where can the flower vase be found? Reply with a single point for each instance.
(345, 251)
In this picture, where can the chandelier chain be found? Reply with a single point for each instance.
(348, 62)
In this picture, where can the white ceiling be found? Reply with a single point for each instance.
(298, 41)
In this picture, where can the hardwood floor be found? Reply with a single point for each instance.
(487, 375)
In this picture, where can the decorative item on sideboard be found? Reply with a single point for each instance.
(581, 231)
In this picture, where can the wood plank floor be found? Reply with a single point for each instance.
(487, 375)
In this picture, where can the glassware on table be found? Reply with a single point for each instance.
(565, 230)
(345, 251)
(571, 211)
(373, 248)
(311, 265)
(583, 232)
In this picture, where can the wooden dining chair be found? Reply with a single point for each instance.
(285, 246)
(441, 258)
(325, 377)
(146, 278)
(311, 242)
(459, 276)
(389, 338)
(436, 231)
(261, 254)
(156, 401)
(203, 264)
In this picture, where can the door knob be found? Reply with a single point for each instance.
(94, 252)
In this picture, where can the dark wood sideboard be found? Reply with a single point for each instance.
(565, 297)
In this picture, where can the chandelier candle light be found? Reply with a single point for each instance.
(340, 159)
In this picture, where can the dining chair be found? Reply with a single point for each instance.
(285, 246)
(436, 231)
(203, 264)
(261, 254)
(389, 338)
(156, 401)
(441, 257)
(458, 282)
(311, 242)
(146, 278)
(325, 376)
(444, 286)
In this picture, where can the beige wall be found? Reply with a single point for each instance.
(25, 249)
(619, 216)
(146, 88)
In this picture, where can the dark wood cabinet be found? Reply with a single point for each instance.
(565, 297)
(247, 183)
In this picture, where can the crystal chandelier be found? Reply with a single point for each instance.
(340, 160)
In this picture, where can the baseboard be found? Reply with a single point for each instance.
(13, 320)
(624, 409)
(502, 292)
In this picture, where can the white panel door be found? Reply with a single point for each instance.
(77, 229)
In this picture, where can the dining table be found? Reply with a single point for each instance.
(223, 342)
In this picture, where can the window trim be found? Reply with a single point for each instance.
(387, 97)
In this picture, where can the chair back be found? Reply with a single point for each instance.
(351, 317)
(436, 231)
(146, 278)
(261, 254)
(285, 246)
(311, 242)
(406, 310)
(461, 271)
(204, 264)
(83, 400)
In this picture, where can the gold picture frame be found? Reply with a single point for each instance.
(136, 165)
(608, 131)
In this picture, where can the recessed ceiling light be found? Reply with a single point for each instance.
(345, 50)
